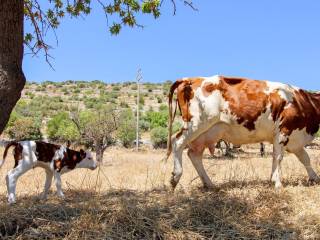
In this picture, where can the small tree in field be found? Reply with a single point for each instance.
(25, 128)
(97, 128)
(159, 137)
(62, 129)
(126, 132)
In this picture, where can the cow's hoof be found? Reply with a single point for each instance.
(61, 195)
(43, 197)
(173, 184)
(313, 181)
(210, 188)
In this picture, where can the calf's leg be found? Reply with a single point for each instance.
(57, 179)
(12, 178)
(303, 157)
(47, 185)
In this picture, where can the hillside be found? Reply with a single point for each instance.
(90, 94)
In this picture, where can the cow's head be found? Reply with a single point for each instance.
(86, 160)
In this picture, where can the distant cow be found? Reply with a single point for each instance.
(242, 111)
(55, 159)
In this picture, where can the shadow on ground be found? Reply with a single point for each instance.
(157, 214)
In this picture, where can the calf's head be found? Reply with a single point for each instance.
(86, 160)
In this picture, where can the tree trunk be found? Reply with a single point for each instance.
(99, 153)
(12, 79)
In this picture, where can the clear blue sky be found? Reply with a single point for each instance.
(261, 39)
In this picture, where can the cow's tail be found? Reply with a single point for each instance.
(10, 144)
(173, 87)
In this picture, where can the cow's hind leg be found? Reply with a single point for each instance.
(187, 136)
(196, 159)
(303, 157)
(47, 185)
(12, 178)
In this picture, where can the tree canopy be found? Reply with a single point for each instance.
(120, 12)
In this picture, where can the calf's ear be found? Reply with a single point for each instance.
(82, 153)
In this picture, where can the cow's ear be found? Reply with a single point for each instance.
(82, 153)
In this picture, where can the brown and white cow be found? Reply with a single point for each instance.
(242, 111)
(55, 159)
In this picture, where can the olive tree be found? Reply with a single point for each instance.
(97, 128)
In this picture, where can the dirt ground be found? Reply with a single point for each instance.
(129, 197)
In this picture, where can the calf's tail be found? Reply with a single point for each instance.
(10, 144)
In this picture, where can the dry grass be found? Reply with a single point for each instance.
(129, 198)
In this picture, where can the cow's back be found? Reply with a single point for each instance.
(252, 110)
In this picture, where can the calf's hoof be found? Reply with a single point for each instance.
(11, 201)
(278, 185)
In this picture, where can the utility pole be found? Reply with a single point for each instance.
(138, 79)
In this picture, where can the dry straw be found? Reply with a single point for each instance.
(129, 198)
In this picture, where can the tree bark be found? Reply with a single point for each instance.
(12, 79)
(99, 153)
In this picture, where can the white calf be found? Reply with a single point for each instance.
(55, 159)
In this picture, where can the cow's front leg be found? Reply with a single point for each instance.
(177, 169)
(47, 185)
(276, 168)
(57, 178)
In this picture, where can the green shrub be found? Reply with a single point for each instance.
(144, 125)
(141, 100)
(163, 107)
(76, 90)
(159, 137)
(116, 88)
(124, 104)
(156, 119)
(25, 128)
(61, 128)
(81, 85)
(134, 87)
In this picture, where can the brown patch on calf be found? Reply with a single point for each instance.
(46, 151)
(71, 159)
(246, 98)
(58, 164)
(303, 112)
(185, 92)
